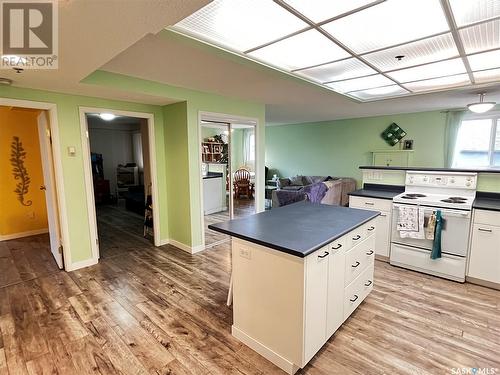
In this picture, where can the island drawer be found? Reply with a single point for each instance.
(356, 292)
(358, 258)
(340, 244)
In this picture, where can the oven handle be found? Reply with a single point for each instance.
(444, 211)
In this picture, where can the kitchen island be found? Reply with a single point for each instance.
(298, 273)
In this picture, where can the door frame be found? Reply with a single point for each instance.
(228, 119)
(51, 108)
(87, 164)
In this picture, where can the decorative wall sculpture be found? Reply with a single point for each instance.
(19, 171)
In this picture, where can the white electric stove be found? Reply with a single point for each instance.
(452, 193)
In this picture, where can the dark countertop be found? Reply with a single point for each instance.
(432, 169)
(297, 229)
(213, 175)
(487, 201)
(378, 191)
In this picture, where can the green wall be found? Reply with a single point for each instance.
(338, 148)
(74, 184)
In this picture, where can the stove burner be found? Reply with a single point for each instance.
(453, 200)
(413, 196)
(458, 198)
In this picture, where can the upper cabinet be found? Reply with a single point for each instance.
(392, 158)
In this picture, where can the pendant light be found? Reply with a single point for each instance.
(481, 106)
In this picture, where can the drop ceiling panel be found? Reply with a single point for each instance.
(362, 83)
(389, 23)
(416, 53)
(470, 11)
(321, 10)
(486, 60)
(300, 51)
(379, 93)
(490, 75)
(241, 24)
(482, 37)
(345, 69)
(433, 70)
(438, 83)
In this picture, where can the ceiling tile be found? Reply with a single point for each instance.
(434, 70)
(481, 37)
(389, 23)
(321, 10)
(362, 83)
(379, 93)
(300, 51)
(345, 69)
(486, 60)
(470, 11)
(490, 75)
(420, 52)
(241, 24)
(438, 83)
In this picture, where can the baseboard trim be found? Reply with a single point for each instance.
(264, 351)
(81, 264)
(164, 242)
(14, 236)
(186, 248)
(488, 284)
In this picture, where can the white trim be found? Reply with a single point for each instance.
(58, 168)
(28, 233)
(82, 264)
(164, 241)
(89, 188)
(186, 248)
(229, 119)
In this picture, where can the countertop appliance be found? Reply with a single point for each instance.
(451, 192)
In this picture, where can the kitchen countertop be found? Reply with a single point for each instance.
(487, 201)
(297, 229)
(378, 191)
(432, 169)
(213, 175)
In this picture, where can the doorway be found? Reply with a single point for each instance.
(30, 223)
(228, 172)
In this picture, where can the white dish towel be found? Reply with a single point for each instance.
(411, 222)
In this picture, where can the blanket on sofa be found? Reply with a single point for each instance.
(287, 197)
(315, 192)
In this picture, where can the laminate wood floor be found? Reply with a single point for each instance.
(162, 311)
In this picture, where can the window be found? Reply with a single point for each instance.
(252, 147)
(478, 143)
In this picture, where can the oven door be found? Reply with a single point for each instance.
(454, 235)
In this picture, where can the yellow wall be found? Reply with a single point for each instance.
(15, 217)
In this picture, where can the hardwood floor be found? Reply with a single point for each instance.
(162, 311)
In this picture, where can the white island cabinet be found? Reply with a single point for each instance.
(286, 307)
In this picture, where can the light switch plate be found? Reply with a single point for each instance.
(71, 151)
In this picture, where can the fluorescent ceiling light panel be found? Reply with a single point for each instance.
(438, 83)
(321, 10)
(470, 11)
(434, 70)
(300, 51)
(362, 83)
(389, 23)
(487, 76)
(241, 24)
(487, 60)
(379, 93)
(416, 53)
(345, 69)
(482, 37)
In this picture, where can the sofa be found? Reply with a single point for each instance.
(291, 190)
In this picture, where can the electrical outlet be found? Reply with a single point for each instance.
(245, 253)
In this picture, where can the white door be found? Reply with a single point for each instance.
(49, 187)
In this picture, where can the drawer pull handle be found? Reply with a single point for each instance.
(370, 252)
(371, 228)
(355, 265)
(338, 247)
(354, 299)
(356, 238)
(368, 283)
(369, 203)
(324, 255)
(383, 215)
(484, 230)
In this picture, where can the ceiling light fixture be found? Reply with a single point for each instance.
(107, 116)
(481, 106)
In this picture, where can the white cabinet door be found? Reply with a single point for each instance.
(484, 262)
(335, 306)
(316, 301)
(382, 235)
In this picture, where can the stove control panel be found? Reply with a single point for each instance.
(453, 180)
